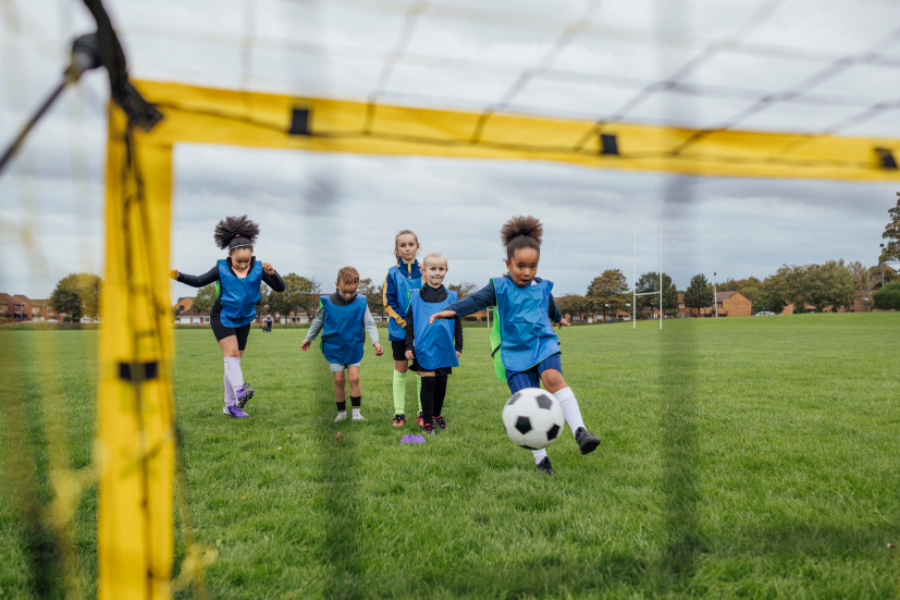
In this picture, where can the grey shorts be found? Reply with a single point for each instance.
(336, 368)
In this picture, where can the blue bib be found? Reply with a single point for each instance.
(523, 335)
(403, 285)
(433, 343)
(239, 296)
(344, 331)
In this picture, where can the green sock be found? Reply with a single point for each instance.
(399, 392)
(419, 392)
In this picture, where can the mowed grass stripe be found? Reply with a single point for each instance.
(752, 458)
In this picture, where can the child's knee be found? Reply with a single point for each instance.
(339, 378)
(553, 380)
(354, 379)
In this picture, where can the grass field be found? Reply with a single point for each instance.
(741, 458)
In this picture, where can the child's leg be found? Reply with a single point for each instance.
(556, 384)
(230, 398)
(339, 397)
(355, 391)
(400, 369)
(440, 392)
(520, 381)
(427, 397)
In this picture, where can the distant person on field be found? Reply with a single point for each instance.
(401, 279)
(344, 319)
(434, 348)
(525, 348)
(237, 279)
(267, 324)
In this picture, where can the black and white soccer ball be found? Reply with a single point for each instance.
(533, 418)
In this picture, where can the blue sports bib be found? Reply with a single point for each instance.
(403, 285)
(433, 343)
(344, 331)
(239, 296)
(523, 335)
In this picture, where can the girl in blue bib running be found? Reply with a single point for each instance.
(525, 348)
(434, 348)
(237, 280)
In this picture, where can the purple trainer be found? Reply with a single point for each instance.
(243, 395)
(234, 411)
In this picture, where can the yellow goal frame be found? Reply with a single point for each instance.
(136, 439)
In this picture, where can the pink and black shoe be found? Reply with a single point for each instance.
(244, 395)
(234, 411)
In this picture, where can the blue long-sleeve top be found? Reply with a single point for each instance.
(392, 305)
(487, 296)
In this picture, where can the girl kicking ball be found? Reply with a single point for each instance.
(525, 348)
(237, 279)
(401, 279)
(433, 348)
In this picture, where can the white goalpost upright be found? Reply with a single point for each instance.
(634, 293)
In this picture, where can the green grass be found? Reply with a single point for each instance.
(741, 458)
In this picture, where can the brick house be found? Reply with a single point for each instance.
(42, 311)
(16, 307)
(731, 304)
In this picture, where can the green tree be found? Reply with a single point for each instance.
(573, 305)
(699, 294)
(205, 298)
(66, 301)
(888, 297)
(649, 282)
(827, 285)
(608, 292)
(300, 295)
(891, 250)
(86, 288)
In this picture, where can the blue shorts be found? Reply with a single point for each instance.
(531, 378)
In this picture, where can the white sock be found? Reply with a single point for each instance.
(233, 374)
(539, 455)
(570, 408)
(356, 411)
(230, 400)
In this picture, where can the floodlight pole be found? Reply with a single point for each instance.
(882, 265)
(660, 264)
(634, 279)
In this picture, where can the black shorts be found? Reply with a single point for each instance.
(221, 332)
(415, 366)
(399, 349)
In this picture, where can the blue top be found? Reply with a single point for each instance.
(434, 347)
(487, 296)
(343, 332)
(239, 296)
(400, 280)
(523, 335)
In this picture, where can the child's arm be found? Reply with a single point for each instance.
(372, 330)
(272, 278)
(458, 336)
(314, 328)
(389, 298)
(483, 298)
(196, 281)
(555, 315)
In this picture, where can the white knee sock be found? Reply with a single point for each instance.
(570, 409)
(230, 400)
(233, 374)
(539, 455)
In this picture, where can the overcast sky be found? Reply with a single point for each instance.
(321, 212)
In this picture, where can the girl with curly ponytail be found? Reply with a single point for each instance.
(525, 347)
(237, 278)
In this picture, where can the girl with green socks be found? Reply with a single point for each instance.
(402, 278)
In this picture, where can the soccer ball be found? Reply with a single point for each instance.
(533, 418)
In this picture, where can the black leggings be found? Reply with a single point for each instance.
(221, 332)
(434, 389)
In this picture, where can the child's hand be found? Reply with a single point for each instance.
(563, 323)
(458, 354)
(444, 314)
(305, 344)
(268, 268)
(173, 274)
(410, 355)
(378, 349)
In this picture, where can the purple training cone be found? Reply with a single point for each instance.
(412, 439)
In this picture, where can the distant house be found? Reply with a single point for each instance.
(17, 308)
(192, 317)
(184, 303)
(730, 304)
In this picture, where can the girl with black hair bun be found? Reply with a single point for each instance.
(237, 280)
(525, 348)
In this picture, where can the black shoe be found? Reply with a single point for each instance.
(428, 429)
(586, 440)
(545, 467)
(440, 421)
